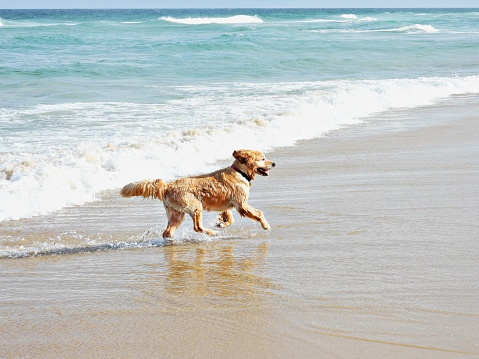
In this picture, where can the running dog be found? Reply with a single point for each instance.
(219, 191)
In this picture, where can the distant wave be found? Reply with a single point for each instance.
(237, 19)
(348, 20)
(368, 19)
(411, 29)
(416, 28)
(326, 20)
(349, 16)
(404, 29)
(20, 24)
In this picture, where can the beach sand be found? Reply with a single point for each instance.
(373, 253)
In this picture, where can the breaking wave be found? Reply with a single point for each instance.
(41, 176)
(237, 19)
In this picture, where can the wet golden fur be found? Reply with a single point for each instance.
(219, 191)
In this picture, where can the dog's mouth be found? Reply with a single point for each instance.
(262, 171)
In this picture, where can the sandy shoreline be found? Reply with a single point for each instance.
(373, 253)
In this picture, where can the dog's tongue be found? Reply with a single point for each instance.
(263, 172)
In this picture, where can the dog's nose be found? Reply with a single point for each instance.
(273, 164)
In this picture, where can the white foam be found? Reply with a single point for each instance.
(29, 24)
(351, 19)
(72, 242)
(237, 19)
(414, 28)
(349, 16)
(39, 175)
(417, 28)
(368, 19)
(325, 20)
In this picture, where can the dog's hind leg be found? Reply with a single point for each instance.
(225, 219)
(175, 218)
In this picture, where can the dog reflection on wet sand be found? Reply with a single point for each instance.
(219, 271)
(219, 191)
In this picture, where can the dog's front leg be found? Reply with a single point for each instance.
(245, 210)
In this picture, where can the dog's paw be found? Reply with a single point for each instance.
(211, 233)
(220, 225)
(266, 226)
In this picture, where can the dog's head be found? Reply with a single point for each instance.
(252, 162)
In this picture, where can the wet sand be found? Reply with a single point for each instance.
(373, 254)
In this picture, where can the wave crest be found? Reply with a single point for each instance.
(411, 29)
(354, 19)
(349, 16)
(417, 28)
(237, 19)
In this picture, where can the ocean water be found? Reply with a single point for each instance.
(93, 99)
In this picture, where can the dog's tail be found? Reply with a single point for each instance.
(145, 189)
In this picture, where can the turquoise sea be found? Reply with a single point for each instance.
(93, 99)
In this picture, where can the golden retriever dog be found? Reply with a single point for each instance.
(218, 191)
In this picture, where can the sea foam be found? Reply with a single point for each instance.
(409, 29)
(250, 115)
(416, 28)
(347, 19)
(237, 19)
(349, 16)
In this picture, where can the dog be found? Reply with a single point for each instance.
(219, 191)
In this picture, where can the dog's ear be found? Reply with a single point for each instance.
(240, 156)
